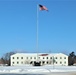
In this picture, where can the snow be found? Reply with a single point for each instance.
(38, 69)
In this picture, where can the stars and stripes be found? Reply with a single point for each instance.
(42, 7)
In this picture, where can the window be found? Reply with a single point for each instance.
(21, 57)
(17, 57)
(34, 61)
(55, 57)
(39, 57)
(34, 57)
(65, 62)
(39, 61)
(30, 57)
(43, 57)
(21, 62)
(47, 62)
(56, 62)
(17, 62)
(43, 62)
(46, 57)
(60, 62)
(60, 57)
(27, 58)
(50, 57)
(13, 57)
(64, 57)
(50, 62)
(13, 62)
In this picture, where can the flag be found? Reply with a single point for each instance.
(43, 7)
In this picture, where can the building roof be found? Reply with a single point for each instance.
(40, 54)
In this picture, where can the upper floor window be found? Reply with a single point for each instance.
(30, 57)
(55, 57)
(13, 57)
(27, 58)
(39, 57)
(17, 57)
(43, 57)
(50, 57)
(34, 57)
(60, 57)
(46, 57)
(21, 57)
(64, 57)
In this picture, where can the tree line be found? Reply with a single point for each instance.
(5, 59)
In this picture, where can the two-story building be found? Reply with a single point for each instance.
(43, 58)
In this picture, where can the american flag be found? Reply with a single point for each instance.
(43, 7)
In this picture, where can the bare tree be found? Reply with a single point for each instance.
(6, 57)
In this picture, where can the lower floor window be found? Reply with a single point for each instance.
(21, 62)
(65, 62)
(43, 62)
(13, 62)
(60, 62)
(17, 62)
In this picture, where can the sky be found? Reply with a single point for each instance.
(56, 28)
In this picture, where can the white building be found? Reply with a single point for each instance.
(43, 58)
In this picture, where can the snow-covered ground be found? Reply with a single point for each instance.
(48, 69)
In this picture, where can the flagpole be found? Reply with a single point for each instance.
(37, 33)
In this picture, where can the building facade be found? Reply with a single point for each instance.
(43, 58)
